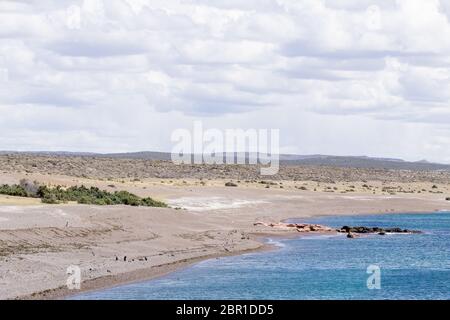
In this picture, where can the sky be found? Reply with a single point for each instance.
(341, 77)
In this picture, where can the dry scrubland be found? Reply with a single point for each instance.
(117, 244)
(313, 178)
(110, 168)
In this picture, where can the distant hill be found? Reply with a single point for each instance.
(147, 155)
(366, 162)
(285, 159)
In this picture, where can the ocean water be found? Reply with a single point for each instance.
(411, 266)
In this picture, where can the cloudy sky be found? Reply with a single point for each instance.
(345, 77)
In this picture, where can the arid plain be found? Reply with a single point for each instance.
(205, 218)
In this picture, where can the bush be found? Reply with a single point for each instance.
(149, 202)
(50, 199)
(448, 198)
(230, 184)
(13, 190)
(82, 195)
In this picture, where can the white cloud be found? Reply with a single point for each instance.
(118, 75)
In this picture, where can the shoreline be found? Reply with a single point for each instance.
(116, 245)
(146, 274)
(158, 271)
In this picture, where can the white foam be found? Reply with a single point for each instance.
(211, 203)
(320, 236)
(358, 198)
(276, 243)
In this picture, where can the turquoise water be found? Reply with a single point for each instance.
(413, 266)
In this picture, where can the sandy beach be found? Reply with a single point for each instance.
(140, 137)
(119, 244)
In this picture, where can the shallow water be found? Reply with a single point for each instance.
(412, 266)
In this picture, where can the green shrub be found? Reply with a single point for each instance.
(82, 195)
(149, 202)
(13, 190)
(50, 199)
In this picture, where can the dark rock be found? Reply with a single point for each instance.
(291, 225)
(366, 230)
(394, 230)
(230, 184)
